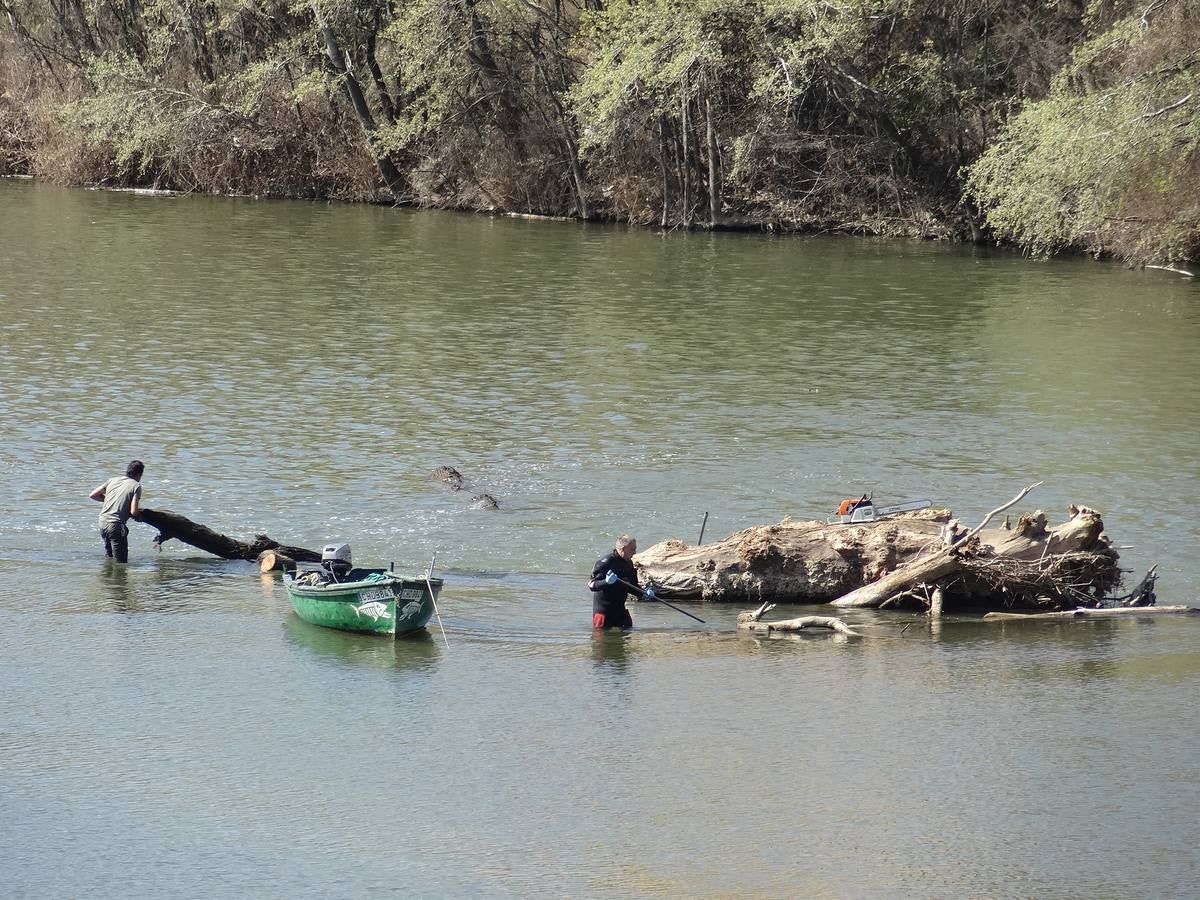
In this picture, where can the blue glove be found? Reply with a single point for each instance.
(610, 578)
(649, 593)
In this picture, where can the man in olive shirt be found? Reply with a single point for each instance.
(121, 497)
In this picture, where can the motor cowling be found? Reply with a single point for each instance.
(336, 559)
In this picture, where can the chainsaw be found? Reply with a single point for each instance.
(863, 510)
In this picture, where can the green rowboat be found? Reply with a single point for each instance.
(375, 601)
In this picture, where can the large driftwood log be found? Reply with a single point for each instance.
(173, 525)
(790, 561)
(898, 561)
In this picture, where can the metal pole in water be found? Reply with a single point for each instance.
(433, 597)
(702, 524)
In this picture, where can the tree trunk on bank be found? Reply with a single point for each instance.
(172, 525)
(686, 162)
(714, 165)
(662, 170)
(358, 100)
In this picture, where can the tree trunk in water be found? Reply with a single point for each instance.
(172, 525)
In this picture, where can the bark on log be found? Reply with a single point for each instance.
(173, 525)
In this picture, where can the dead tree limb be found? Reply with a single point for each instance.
(1097, 613)
(752, 621)
(173, 525)
(999, 509)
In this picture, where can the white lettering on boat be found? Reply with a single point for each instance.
(411, 594)
(374, 609)
(375, 594)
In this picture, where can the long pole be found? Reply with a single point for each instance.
(433, 597)
(702, 524)
(642, 591)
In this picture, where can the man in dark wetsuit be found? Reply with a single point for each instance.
(608, 594)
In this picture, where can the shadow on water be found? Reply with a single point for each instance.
(411, 651)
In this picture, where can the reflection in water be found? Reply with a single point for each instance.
(418, 650)
(115, 587)
(610, 649)
(162, 584)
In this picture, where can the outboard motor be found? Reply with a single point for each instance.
(335, 559)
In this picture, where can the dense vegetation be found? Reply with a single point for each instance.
(1054, 125)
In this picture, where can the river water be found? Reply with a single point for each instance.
(170, 728)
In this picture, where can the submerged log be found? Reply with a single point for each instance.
(172, 525)
(1084, 612)
(898, 561)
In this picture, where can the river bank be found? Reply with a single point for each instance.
(870, 119)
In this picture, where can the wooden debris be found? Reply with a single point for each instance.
(1084, 612)
(898, 562)
(172, 525)
(752, 621)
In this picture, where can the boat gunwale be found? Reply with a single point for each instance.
(346, 591)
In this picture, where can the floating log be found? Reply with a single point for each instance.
(752, 621)
(899, 561)
(1085, 612)
(172, 525)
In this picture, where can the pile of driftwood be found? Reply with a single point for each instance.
(924, 560)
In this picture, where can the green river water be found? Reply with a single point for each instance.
(169, 728)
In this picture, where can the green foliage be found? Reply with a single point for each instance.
(858, 115)
(645, 58)
(1108, 163)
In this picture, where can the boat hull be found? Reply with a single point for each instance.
(391, 605)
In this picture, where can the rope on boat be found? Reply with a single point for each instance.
(433, 597)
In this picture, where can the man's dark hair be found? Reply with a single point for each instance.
(134, 470)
